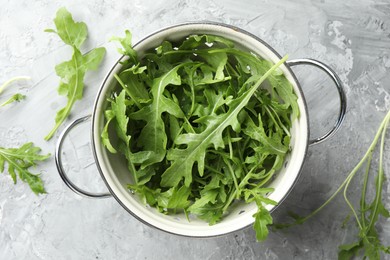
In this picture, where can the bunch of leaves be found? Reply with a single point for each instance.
(202, 124)
(367, 214)
(72, 72)
(19, 160)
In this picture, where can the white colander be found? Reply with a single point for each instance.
(113, 168)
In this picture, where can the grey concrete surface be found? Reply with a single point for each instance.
(353, 37)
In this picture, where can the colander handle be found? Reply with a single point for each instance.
(60, 168)
(339, 85)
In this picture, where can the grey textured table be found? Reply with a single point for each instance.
(352, 37)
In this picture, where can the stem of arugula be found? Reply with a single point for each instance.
(8, 82)
(364, 190)
(380, 177)
(381, 131)
(61, 120)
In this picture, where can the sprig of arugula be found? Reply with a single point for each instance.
(19, 160)
(197, 127)
(16, 97)
(10, 81)
(72, 72)
(368, 244)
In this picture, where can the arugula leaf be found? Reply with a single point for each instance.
(270, 144)
(15, 98)
(262, 220)
(72, 72)
(72, 33)
(109, 115)
(262, 216)
(126, 45)
(348, 251)
(119, 110)
(19, 160)
(121, 120)
(208, 197)
(153, 137)
(179, 198)
(134, 87)
(194, 41)
(212, 213)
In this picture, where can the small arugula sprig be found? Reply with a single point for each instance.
(10, 81)
(197, 127)
(368, 243)
(19, 160)
(72, 72)
(16, 97)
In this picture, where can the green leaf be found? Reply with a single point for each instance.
(179, 198)
(72, 80)
(50, 31)
(19, 160)
(11, 170)
(119, 112)
(286, 93)
(267, 144)
(383, 211)
(143, 176)
(134, 86)
(262, 220)
(348, 251)
(153, 136)
(217, 61)
(71, 32)
(194, 41)
(147, 195)
(15, 98)
(174, 127)
(209, 212)
(109, 115)
(206, 198)
(2, 163)
(126, 45)
(121, 123)
(72, 72)
(93, 58)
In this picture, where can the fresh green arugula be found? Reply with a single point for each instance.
(16, 97)
(72, 72)
(368, 244)
(10, 81)
(19, 161)
(202, 124)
